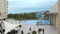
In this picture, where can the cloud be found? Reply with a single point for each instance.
(32, 0)
(29, 5)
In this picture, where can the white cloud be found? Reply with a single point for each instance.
(28, 4)
(32, 0)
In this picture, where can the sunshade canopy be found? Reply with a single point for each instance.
(9, 26)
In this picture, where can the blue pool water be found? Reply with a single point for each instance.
(32, 22)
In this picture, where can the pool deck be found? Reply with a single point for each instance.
(49, 29)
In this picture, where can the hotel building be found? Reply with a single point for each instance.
(3, 9)
(3, 13)
(55, 15)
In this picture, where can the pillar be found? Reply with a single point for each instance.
(58, 18)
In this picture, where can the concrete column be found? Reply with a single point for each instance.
(58, 18)
(51, 19)
(54, 19)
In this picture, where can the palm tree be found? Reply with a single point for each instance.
(39, 30)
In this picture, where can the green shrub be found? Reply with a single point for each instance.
(20, 25)
(39, 30)
(33, 32)
(30, 29)
(28, 33)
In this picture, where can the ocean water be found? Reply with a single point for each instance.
(33, 22)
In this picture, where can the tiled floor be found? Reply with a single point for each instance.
(50, 29)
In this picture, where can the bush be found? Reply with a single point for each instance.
(28, 33)
(20, 25)
(30, 29)
(39, 30)
(33, 32)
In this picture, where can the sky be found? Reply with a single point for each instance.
(27, 6)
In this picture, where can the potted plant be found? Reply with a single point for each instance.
(20, 25)
(39, 30)
(28, 33)
(30, 29)
(33, 32)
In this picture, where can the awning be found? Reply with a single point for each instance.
(9, 26)
(53, 12)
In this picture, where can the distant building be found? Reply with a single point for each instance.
(3, 9)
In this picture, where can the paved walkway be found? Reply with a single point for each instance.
(50, 29)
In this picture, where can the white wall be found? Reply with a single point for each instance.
(3, 9)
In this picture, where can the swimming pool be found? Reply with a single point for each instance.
(33, 22)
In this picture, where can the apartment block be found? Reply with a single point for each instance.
(3, 9)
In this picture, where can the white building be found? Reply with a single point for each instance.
(3, 13)
(3, 9)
